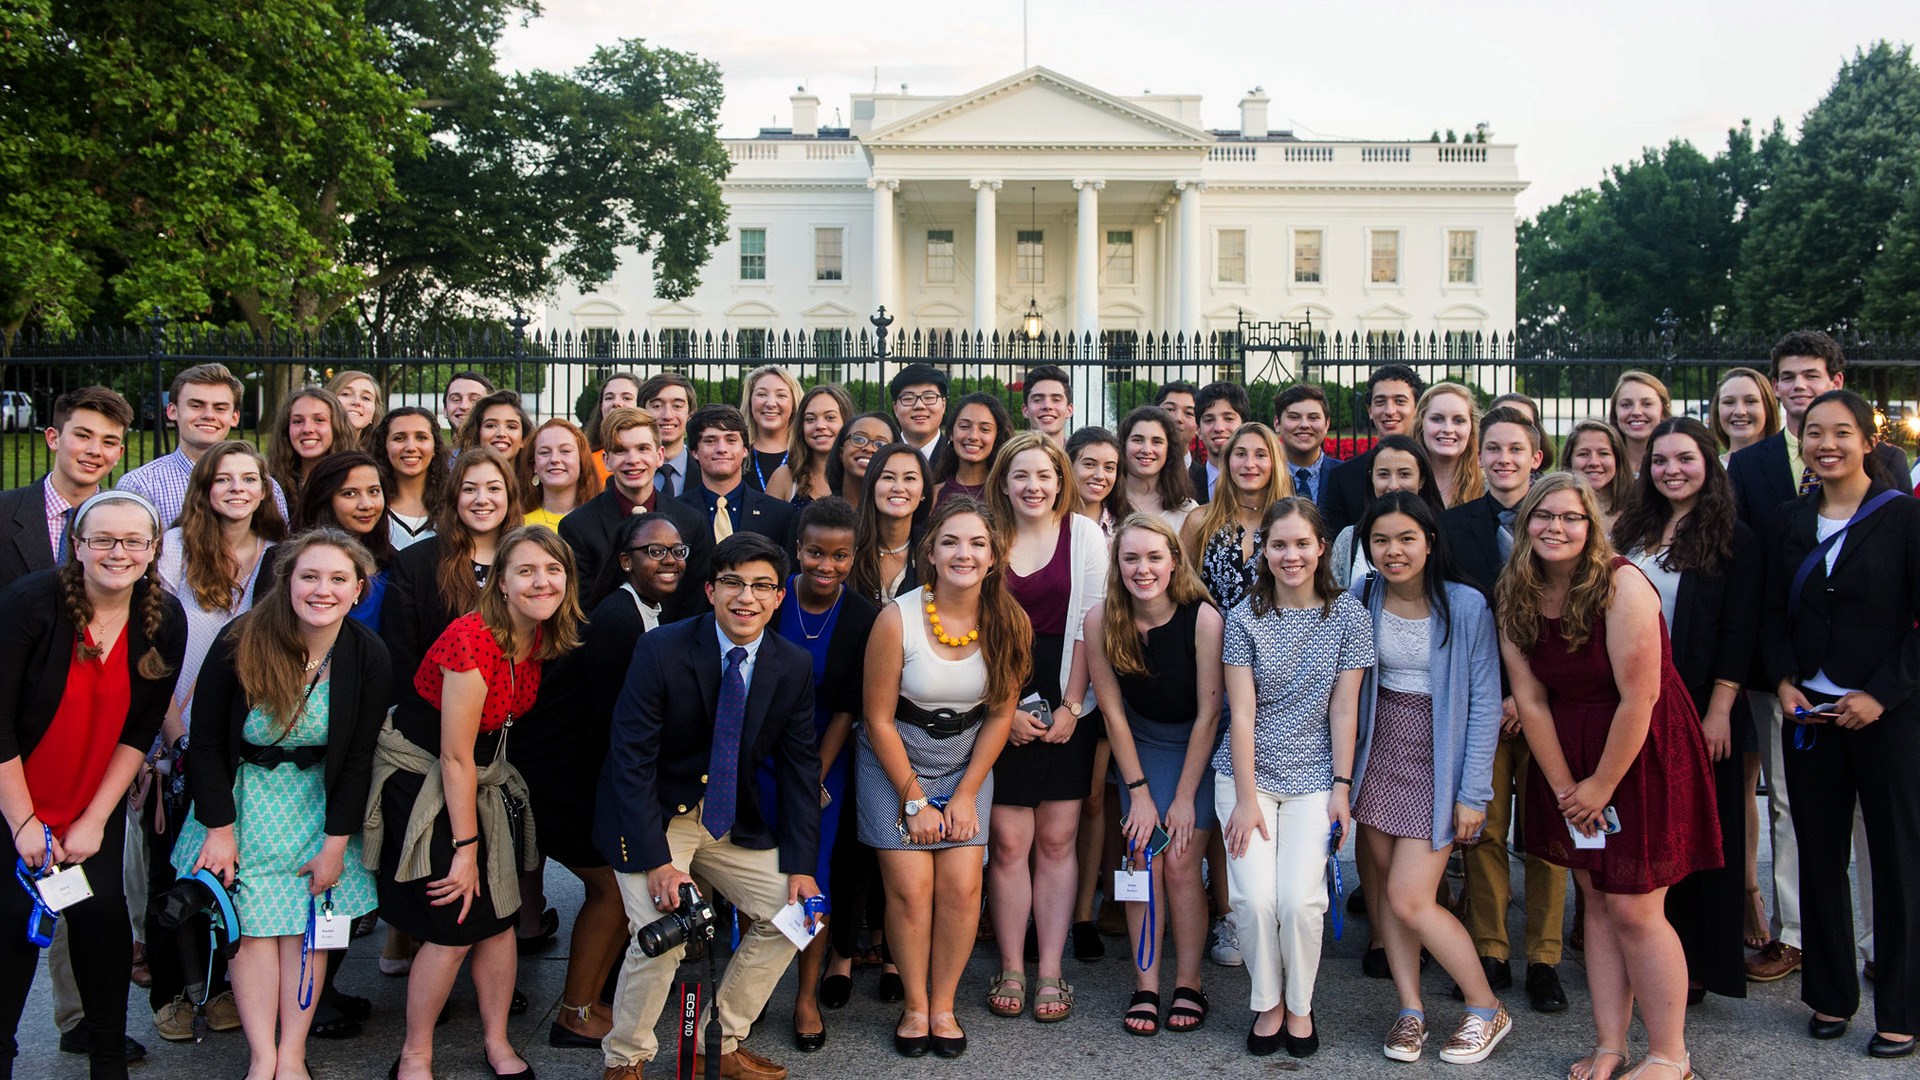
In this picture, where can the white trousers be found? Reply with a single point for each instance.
(1279, 894)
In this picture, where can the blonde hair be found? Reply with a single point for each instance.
(560, 633)
(1222, 510)
(1517, 598)
(1769, 403)
(1065, 501)
(746, 397)
(1646, 379)
(356, 437)
(1469, 482)
(1006, 633)
(1123, 640)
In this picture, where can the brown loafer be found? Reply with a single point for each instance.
(622, 1072)
(743, 1064)
(1777, 961)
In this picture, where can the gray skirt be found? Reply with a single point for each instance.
(939, 763)
(1162, 749)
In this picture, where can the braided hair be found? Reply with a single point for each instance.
(151, 600)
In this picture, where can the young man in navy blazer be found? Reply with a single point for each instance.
(1766, 477)
(706, 700)
(86, 437)
(717, 442)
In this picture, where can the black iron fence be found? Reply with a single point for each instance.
(559, 374)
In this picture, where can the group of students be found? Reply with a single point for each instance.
(894, 667)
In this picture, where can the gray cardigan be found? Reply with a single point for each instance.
(1465, 680)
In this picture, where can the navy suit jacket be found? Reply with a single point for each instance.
(23, 532)
(756, 512)
(662, 740)
(589, 530)
(1344, 492)
(1763, 479)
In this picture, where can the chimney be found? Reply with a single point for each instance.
(806, 114)
(1253, 114)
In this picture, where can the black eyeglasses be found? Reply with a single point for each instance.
(924, 397)
(861, 442)
(1548, 517)
(761, 590)
(106, 543)
(656, 552)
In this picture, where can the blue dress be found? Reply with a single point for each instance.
(367, 611)
(279, 824)
(801, 628)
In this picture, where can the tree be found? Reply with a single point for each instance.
(1821, 231)
(1893, 282)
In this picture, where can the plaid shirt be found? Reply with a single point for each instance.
(163, 482)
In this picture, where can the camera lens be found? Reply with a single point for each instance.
(663, 935)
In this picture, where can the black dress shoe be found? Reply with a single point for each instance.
(568, 1039)
(519, 1005)
(1263, 1045)
(836, 991)
(809, 1041)
(523, 1074)
(1032, 945)
(1882, 1047)
(1499, 977)
(912, 1046)
(1826, 1029)
(1544, 991)
(1357, 902)
(75, 1042)
(1374, 965)
(944, 1047)
(891, 988)
(1302, 1047)
(1087, 946)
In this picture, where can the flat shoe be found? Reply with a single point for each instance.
(1263, 1045)
(912, 1046)
(1302, 1046)
(1087, 946)
(809, 1041)
(1882, 1047)
(566, 1038)
(836, 991)
(1826, 1029)
(549, 929)
(945, 1047)
(523, 1074)
(891, 988)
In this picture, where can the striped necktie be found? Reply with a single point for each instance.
(1808, 480)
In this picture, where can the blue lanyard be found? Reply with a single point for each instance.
(42, 919)
(306, 950)
(1143, 951)
(1805, 735)
(1335, 886)
(757, 474)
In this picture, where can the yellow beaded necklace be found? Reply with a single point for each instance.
(939, 633)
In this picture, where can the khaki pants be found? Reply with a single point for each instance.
(1489, 878)
(753, 882)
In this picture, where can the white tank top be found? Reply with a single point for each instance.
(930, 681)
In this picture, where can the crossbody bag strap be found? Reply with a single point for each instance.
(1819, 552)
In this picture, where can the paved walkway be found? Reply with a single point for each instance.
(1760, 1038)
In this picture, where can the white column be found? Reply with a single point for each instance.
(1190, 254)
(986, 260)
(1086, 302)
(883, 246)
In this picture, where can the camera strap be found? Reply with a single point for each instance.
(42, 919)
(692, 1000)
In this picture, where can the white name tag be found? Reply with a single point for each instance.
(792, 921)
(1582, 840)
(332, 931)
(1132, 886)
(62, 889)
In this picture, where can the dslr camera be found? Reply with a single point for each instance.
(199, 912)
(693, 920)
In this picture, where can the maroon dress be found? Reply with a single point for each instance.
(1668, 825)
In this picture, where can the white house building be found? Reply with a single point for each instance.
(1111, 214)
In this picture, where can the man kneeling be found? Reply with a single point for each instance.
(705, 701)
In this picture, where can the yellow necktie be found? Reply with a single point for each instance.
(722, 521)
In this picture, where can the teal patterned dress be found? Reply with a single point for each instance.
(279, 825)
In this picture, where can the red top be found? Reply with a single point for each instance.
(467, 645)
(1046, 592)
(66, 766)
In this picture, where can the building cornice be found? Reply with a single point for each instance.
(1362, 187)
(1189, 137)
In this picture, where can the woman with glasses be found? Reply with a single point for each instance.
(89, 658)
(853, 449)
(1839, 640)
(1619, 789)
(824, 412)
(944, 667)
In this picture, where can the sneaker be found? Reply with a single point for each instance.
(222, 1013)
(1777, 961)
(1476, 1038)
(1225, 947)
(1406, 1038)
(174, 1020)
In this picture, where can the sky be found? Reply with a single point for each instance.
(1577, 87)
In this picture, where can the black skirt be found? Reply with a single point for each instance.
(406, 905)
(1046, 772)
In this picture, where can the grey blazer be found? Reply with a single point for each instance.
(1465, 680)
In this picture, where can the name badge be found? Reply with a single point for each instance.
(1582, 841)
(1134, 886)
(332, 931)
(62, 889)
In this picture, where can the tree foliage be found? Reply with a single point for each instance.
(1816, 241)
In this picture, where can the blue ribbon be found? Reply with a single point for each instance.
(815, 906)
(305, 991)
(1335, 886)
(1143, 951)
(41, 913)
(1805, 735)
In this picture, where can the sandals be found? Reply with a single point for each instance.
(1585, 1068)
(1018, 981)
(1136, 1011)
(1190, 1005)
(1053, 992)
(1683, 1069)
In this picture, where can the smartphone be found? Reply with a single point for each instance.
(1036, 706)
(1831, 708)
(1158, 841)
(1610, 821)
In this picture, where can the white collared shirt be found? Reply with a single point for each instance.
(649, 613)
(746, 666)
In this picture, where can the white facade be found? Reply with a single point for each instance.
(1145, 221)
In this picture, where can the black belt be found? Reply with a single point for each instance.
(939, 723)
(268, 757)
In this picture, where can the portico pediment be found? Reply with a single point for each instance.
(1037, 108)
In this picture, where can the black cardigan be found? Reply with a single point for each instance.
(413, 614)
(1716, 623)
(1858, 624)
(36, 650)
(358, 688)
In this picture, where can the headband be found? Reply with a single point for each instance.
(108, 496)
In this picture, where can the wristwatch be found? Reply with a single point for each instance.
(913, 806)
